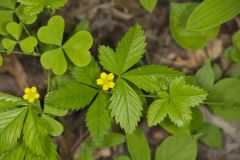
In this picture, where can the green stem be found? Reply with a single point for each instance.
(17, 52)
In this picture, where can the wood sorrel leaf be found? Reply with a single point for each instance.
(28, 44)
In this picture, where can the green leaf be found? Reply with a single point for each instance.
(87, 75)
(36, 138)
(121, 158)
(9, 44)
(175, 130)
(138, 145)
(55, 60)
(197, 119)
(25, 18)
(176, 104)
(149, 5)
(212, 135)
(28, 44)
(82, 26)
(72, 96)
(1, 60)
(53, 32)
(54, 127)
(129, 51)
(174, 148)
(86, 154)
(55, 111)
(14, 29)
(185, 38)
(98, 118)
(7, 101)
(224, 99)
(37, 6)
(205, 76)
(17, 153)
(11, 124)
(6, 17)
(125, 106)
(77, 48)
(10, 4)
(148, 77)
(212, 13)
(236, 40)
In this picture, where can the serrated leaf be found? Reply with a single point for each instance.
(17, 153)
(138, 146)
(212, 135)
(149, 5)
(148, 77)
(54, 127)
(188, 39)
(28, 44)
(174, 148)
(125, 106)
(6, 17)
(87, 75)
(98, 118)
(72, 96)
(7, 100)
(36, 137)
(55, 60)
(205, 76)
(176, 104)
(77, 48)
(129, 51)
(212, 13)
(224, 99)
(11, 124)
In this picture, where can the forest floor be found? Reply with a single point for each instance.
(109, 20)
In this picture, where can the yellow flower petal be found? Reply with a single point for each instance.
(110, 76)
(99, 81)
(25, 96)
(36, 96)
(31, 100)
(27, 90)
(105, 87)
(111, 84)
(33, 89)
(103, 75)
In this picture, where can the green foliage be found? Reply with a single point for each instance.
(72, 96)
(125, 106)
(205, 76)
(138, 146)
(36, 6)
(128, 52)
(149, 5)
(149, 76)
(76, 48)
(54, 127)
(224, 99)
(212, 13)
(176, 104)
(188, 39)
(212, 135)
(173, 148)
(122, 158)
(98, 118)
(27, 45)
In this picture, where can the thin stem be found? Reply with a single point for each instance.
(17, 52)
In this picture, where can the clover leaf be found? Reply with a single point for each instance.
(27, 45)
(8, 9)
(76, 48)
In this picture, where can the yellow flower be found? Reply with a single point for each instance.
(31, 94)
(106, 81)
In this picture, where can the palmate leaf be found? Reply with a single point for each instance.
(176, 104)
(71, 96)
(148, 77)
(129, 51)
(125, 106)
(36, 137)
(98, 118)
(11, 124)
